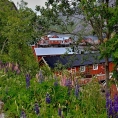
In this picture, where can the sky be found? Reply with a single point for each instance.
(32, 3)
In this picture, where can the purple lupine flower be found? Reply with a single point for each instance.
(112, 106)
(23, 115)
(36, 108)
(69, 90)
(27, 80)
(115, 103)
(41, 77)
(68, 82)
(107, 99)
(59, 111)
(110, 109)
(48, 99)
(108, 105)
(55, 81)
(77, 90)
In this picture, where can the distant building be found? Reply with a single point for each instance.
(51, 51)
(55, 41)
(86, 64)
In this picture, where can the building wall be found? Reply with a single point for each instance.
(39, 58)
(34, 46)
(90, 71)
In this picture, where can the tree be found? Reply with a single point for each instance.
(6, 9)
(113, 50)
(100, 16)
(18, 31)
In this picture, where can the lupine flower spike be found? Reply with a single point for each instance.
(115, 106)
(77, 90)
(27, 80)
(48, 99)
(23, 115)
(36, 108)
(59, 111)
(41, 77)
(112, 106)
(68, 84)
(55, 81)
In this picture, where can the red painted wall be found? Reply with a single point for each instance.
(113, 90)
(53, 42)
(39, 58)
(100, 70)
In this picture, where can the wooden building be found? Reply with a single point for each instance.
(87, 65)
(55, 41)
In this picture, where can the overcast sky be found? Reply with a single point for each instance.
(32, 3)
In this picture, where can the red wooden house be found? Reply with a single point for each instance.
(54, 40)
(87, 65)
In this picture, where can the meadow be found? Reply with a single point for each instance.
(26, 97)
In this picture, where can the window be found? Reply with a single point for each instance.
(95, 66)
(82, 68)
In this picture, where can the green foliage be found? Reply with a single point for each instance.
(91, 102)
(46, 71)
(113, 50)
(18, 33)
(6, 9)
(58, 16)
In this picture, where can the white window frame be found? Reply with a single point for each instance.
(82, 68)
(95, 66)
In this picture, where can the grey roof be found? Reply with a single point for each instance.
(75, 60)
(59, 35)
(91, 37)
(52, 51)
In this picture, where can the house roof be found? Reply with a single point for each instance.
(58, 39)
(52, 51)
(91, 37)
(59, 35)
(74, 60)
